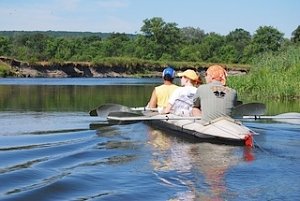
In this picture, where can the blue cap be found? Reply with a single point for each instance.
(169, 71)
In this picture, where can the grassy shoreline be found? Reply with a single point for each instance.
(271, 75)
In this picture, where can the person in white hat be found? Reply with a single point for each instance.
(181, 101)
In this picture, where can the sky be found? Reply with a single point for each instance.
(127, 16)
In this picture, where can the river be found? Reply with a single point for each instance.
(51, 149)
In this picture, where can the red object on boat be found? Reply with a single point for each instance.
(249, 140)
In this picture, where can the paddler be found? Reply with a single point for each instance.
(214, 99)
(161, 94)
(181, 101)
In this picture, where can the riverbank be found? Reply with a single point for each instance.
(18, 68)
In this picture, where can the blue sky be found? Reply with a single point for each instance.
(126, 16)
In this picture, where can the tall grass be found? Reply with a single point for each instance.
(4, 69)
(275, 76)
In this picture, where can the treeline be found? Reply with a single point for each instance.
(65, 34)
(158, 41)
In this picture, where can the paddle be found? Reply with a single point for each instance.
(133, 117)
(252, 109)
(256, 111)
(240, 110)
(290, 117)
(104, 110)
(118, 114)
(125, 116)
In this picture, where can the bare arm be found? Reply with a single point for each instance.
(196, 112)
(153, 100)
(167, 109)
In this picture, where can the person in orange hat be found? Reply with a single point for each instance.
(181, 101)
(214, 99)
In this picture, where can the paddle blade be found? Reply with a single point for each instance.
(93, 113)
(124, 114)
(249, 109)
(290, 117)
(104, 110)
(113, 116)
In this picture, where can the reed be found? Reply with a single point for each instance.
(275, 76)
(4, 69)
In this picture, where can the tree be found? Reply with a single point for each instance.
(145, 48)
(190, 53)
(296, 35)
(239, 39)
(210, 47)
(4, 46)
(192, 36)
(267, 39)
(228, 54)
(115, 44)
(62, 49)
(165, 36)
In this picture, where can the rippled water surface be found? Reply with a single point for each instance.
(65, 154)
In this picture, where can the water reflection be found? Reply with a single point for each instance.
(85, 94)
(70, 98)
(202, 166)
(277, 107)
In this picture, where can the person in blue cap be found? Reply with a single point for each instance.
(161, 94)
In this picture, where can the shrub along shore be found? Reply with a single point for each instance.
(271, 75)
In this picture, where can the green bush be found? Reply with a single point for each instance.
(272, 76)
(4, 69)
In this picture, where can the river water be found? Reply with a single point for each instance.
(51, 149)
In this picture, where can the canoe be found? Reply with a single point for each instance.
(224, 130)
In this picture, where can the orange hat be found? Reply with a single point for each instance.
(191, 74)
(218, 73)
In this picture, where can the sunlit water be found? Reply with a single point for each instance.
(68, 155)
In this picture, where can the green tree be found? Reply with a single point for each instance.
(192, 35)
(296, 35)
(160, 38)
(190, 53)
(228, 54)
(209, 49)
(30, 47)
(266, 39)
(62, 49)
(4, 46)
(145, 48)
(239, 39)
(115, 44)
